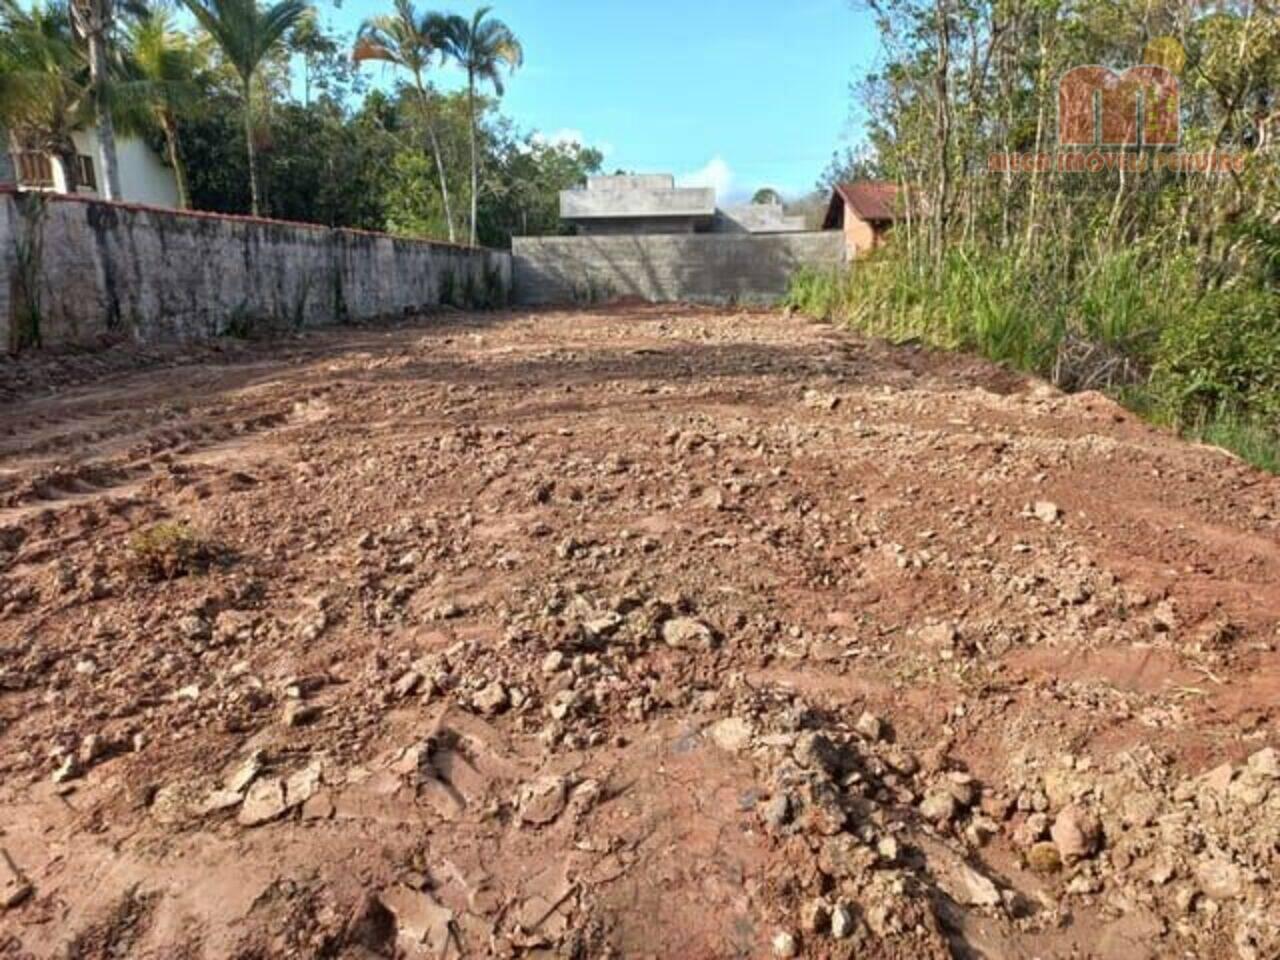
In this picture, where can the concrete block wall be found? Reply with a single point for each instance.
(705, 268)
(757, 218)
(156, 275)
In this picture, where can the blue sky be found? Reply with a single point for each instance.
(736, 94)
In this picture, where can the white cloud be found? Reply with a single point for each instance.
(717, 174)
(562, 137)
(567, 135)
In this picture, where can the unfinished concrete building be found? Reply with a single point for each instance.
(612, 206)
(645, 237)
(653, 204)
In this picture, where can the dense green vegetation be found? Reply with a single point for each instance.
(1162, 287)
(262, 108)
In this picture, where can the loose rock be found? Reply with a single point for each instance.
(1077, 833)
(492, 699)
(14, 887)
(1047, 511)
(939, 805)
(264, 802)
(815, 916)
(542, 800)
(299, 714)
(732, 734)
(842, 922)
(685, 633)
(870, 726)
(784, 944)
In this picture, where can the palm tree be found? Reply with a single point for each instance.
(246, 33)
(161, 69)
(45, 93)
(481, 46)
(93, 20)
(410, 41)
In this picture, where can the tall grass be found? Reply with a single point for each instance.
(1140, 326)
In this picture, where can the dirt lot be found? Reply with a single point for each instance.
(638, 633)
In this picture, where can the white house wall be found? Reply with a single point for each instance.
(143, 177)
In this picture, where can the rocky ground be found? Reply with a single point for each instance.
(643, 632)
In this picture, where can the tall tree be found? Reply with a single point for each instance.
(411, 41)
(161, 83)
(94, 21)
(246, 33)
(482, 46)
(309, 41)
(44, 90)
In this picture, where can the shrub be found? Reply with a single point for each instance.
(818, 293)
(1220, 355)
(169, 550)
(1136, 322)
(1249, 439)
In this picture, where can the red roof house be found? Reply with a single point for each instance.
(865, 211)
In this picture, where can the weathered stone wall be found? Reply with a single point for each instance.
(7, 256)
(708, 268)
(168, 275)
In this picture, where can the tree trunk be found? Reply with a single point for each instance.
(175, 159)
(253, 154)
(942, 90)
(435, 150)
(475, 155)
(444, 182)
(1029, 242)
(97, 31)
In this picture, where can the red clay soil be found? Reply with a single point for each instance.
(637, 632)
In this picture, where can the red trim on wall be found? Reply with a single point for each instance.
(231, 217)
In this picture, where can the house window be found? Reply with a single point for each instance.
(84, 172)
(34, 169)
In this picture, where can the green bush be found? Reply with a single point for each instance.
(819, 293)
(1136, 322)
(1221, 355)
(169, 550)
(1248, 438)
(971, 302)
(1122, 299)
